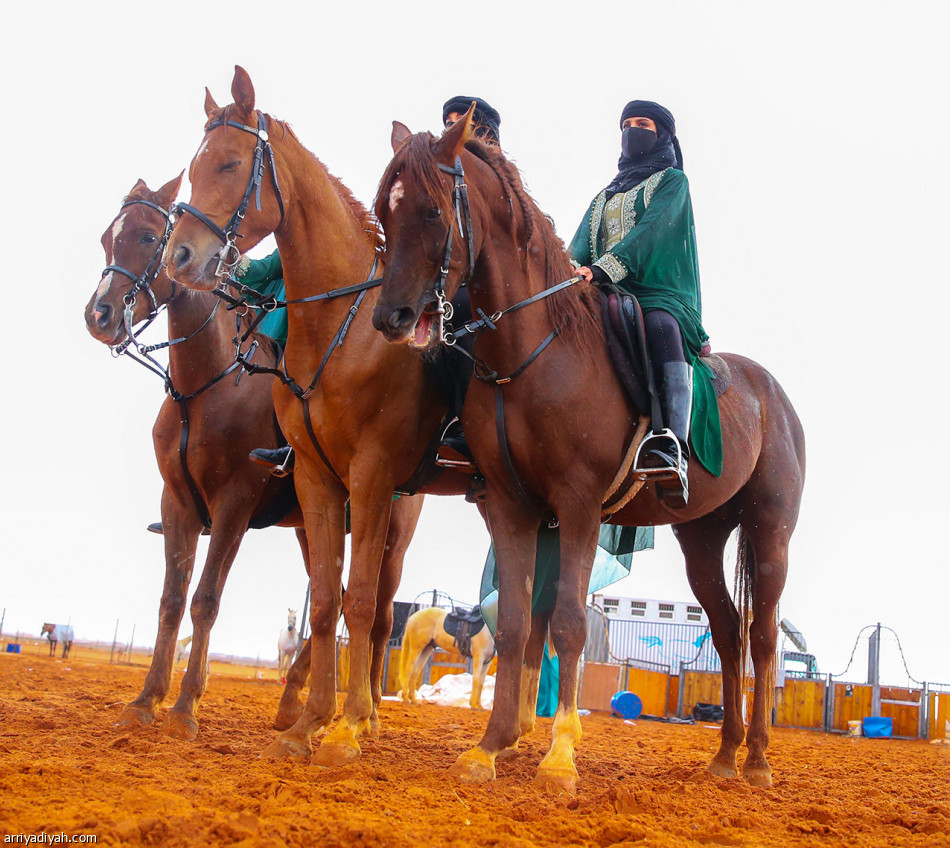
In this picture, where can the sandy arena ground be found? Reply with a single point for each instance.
(66, 767)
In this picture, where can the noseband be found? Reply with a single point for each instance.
(230, 255)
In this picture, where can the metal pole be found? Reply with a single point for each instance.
(302, 635)
(680, 694)
(874, 670)
(131, 643)
(2, 619)
(114, 638)
(923, 713)
(829, 718)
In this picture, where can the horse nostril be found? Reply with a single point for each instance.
(401, 317)
(182, 255)
(103, 314)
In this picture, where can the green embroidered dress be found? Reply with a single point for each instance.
(267, 276)
(645, 241)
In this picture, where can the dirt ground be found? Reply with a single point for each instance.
(66, 767)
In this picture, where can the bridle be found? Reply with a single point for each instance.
(230, 254)
(143, 281)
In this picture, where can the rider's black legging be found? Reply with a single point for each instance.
(664, 340)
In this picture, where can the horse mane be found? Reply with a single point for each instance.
(366, 221)
(575, 310)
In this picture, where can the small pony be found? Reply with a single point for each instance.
(426, 631)
(287, 645)
(58, 633)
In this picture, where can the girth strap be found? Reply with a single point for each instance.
(200, 506)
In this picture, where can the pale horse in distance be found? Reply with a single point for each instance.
(182, 649)
(287, 644)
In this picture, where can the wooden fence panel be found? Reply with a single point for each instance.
(700, 687)
(600, 682)
(651, 687)
(905, 717)
(800, 703)
(939, 715)
(850, 707)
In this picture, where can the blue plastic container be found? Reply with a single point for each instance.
(626, 705)
(877, 727)
(12, 649)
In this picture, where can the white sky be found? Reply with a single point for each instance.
(815, 137)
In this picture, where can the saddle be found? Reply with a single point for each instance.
(462, 625)
(626, 343)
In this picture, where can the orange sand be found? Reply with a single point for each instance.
(65, 766)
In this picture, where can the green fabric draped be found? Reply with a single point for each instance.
(613, 561)
(656, 261)
(267, 276)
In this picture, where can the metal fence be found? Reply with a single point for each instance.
(657, 645)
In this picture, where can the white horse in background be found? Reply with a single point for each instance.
(287, 645)
(182, 649)
(58, 633)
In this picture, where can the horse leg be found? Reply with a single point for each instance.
(290, 707)
(402, 526)
(369, 519)
(226, 535)
(514, 534)
(531, 671)
(182, 528)
(323, 503)
(767, 581)
(579, 535)
(702, 542)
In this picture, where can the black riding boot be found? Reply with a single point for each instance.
(676, 394)
(280, 461)
(454, 451)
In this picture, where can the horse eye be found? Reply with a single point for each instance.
(433, 213)
(230, 166)
(149, 238)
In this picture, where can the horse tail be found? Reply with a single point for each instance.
(743, 596)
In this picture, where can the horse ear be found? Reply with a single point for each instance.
(400, 133)
(242, 90)
(140, 189)
(210, 105)
(168, 192)
(454, 138)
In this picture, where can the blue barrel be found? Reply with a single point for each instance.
(626, 705)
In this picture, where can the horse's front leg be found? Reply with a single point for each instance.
(370, 508)
(402, 526)
(531, 673)
(579, 535)
(290, 707)
(323, 502)
(514, 535)
(181, 529)
(227, 531)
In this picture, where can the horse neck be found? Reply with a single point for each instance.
(323, 246)
(208, 350)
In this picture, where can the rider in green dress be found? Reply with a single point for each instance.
(638, 234)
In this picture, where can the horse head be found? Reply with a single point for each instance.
(133, 245)
(418, 206)
(47, 630)
(228, 179)
(291, 619)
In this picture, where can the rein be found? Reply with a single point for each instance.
(230, 255)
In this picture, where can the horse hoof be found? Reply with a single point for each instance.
(287, 716)
(136, 716)
(557, 781)
(723, 770)
(525, 729)
(181, 726)
(336, 754)
(758, 776)
(474, 766)
(284, 748)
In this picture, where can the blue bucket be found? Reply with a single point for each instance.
(877, 726)
(626, 705)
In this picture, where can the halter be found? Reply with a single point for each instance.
(143, 281)
(230, 255)
(461, 208)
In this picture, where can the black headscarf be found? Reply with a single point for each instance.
(484, 116)
(665, 153)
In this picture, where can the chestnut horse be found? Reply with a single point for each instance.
(354, 434)
(549, 425)
(207, 474)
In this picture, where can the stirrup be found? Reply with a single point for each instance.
(667, 472)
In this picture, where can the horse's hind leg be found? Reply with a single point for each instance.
(182, 528)
(290, 707)
(767, 581)
(702, 542)
(226, 536)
